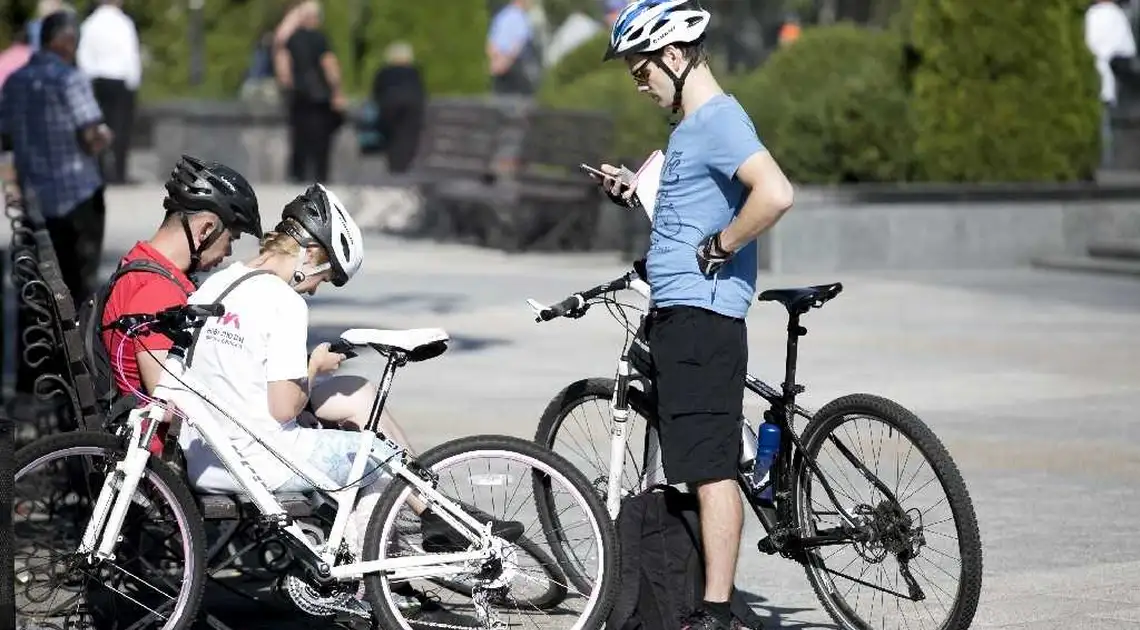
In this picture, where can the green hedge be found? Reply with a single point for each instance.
(449, 38)
(832, 107)
(640, 126)
(582, 60)
(1005, 91)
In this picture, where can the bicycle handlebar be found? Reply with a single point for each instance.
(579, 301)
(168, 322)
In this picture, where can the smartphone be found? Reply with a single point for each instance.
(593, 171)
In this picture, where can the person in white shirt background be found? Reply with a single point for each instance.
(109, 55)
(1108, 34)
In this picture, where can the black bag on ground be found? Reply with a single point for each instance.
(662, 572)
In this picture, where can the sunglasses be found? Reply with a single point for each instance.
(640, 72)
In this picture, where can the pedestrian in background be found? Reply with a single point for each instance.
(109, 55)
(309, 74)
(398, 92)
(56, 129)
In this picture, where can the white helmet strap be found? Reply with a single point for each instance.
(299, 274)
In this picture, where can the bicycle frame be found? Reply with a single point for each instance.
(102, 532)
(782, 412)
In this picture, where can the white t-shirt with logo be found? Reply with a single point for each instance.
(261, 338)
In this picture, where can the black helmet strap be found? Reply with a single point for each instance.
(196, 252)
(678, 85)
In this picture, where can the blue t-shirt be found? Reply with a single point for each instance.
(699, 194)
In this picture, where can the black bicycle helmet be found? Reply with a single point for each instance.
(196, 185)
(325, 222)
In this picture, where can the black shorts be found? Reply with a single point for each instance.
(699, 361)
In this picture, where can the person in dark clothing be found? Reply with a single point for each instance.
(310, 75)
(398, 92)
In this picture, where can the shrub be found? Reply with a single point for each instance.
(832, 107)
(1004, 91)
(640, 126)
(449, 38)
(582, 60)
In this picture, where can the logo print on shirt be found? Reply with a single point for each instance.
(231, 318)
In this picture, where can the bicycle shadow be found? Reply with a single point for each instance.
(760, 614)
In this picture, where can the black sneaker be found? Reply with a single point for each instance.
(440, 537)
(702, 619)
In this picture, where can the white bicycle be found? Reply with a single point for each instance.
(132, 528)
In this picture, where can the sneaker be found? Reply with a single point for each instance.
(439, 537)
(701, 619)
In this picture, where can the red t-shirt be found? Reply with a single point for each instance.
(141, 292)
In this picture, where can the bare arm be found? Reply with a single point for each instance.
(283, 66)
(770, 196)
(150, 368)
(501, 61)
(288, 398)
(331, 67)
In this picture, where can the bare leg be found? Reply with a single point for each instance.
(347, 400)
(722, 517)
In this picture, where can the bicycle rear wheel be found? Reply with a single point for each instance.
(927, 537)
(157, 576)
(491, 474)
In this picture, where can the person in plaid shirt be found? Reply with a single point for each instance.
(54, 126)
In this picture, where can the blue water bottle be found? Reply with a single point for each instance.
(767, 445)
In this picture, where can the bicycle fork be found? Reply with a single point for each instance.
(619, 434)
(118, 491)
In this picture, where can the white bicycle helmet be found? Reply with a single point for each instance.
(645, 26)
(325, 222)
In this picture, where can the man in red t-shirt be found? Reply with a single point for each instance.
(208, 206)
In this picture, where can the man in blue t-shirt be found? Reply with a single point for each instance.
(719, 190)
(511, 51)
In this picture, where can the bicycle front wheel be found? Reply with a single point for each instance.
(916, 561)
(577, 425)
(491, 477)
(157, 575)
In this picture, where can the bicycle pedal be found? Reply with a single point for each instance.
(767, 546)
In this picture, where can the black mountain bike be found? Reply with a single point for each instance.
(883, 545)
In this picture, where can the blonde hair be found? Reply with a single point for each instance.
(280, 242)
(399, 52)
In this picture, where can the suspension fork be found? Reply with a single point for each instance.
(619, 433)
(118, 491)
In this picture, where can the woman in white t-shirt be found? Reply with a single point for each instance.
(252, 361)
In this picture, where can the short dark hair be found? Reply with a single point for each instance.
(55, 24)
(694, 51)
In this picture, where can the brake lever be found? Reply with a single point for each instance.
(536, 307)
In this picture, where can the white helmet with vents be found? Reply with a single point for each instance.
(649, 25)
(327, 223)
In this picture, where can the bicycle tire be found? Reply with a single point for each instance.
(607, 591)
(546, 435)
(901, 419)
(194, 580)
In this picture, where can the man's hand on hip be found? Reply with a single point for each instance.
(711, 257)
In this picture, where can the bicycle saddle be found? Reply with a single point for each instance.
(801, 299)
(419, 344)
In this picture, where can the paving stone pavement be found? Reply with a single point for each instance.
(1030, 378)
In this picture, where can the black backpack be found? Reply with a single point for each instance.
(662, 567)
(662, 563)
(95, 354)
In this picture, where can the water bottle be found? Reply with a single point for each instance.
(767, 445)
